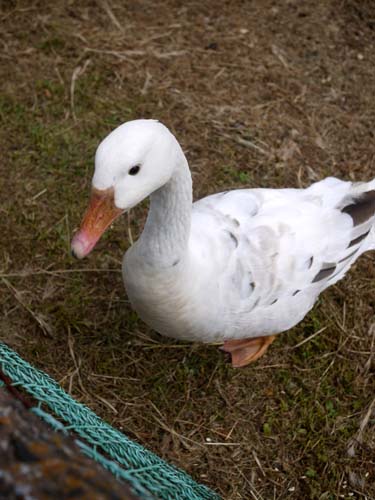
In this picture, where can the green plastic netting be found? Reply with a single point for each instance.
(149, 475)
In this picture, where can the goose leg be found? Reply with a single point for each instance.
(245, 351)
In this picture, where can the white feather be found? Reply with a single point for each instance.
(239, 264)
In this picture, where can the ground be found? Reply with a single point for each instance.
(260, 93)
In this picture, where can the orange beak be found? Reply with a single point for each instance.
(101, 212)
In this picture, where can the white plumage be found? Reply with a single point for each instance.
(241, 264)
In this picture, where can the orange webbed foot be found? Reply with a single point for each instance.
(245, 351)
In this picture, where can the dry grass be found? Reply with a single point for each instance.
(260, 93)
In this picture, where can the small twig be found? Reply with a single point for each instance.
(146, 41)
(277, 52)
(265, 367)
(46, 328)
(26, 274)
(358, 438)
(327, 369)
(68, 232)
(183, 439)
(61, 79)
(368, 363)
(222, 444)
(121, 55)
(232, 429)
(222, 393)
(36, 196)
(164, 346)
(254, 493)
(106, 403)
(78, 71)
(258, 463)
(146, 84)
(77, 364)
(125, 54)
(249, 144)
(307, 339)
(130, 235)
(111, 15)
(167, 55)
(246, 143)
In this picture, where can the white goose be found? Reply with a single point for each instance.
(236, 267)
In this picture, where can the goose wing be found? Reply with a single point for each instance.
(263, 248)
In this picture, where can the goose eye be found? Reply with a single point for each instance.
(134, 170)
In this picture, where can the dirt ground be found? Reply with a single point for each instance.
(260, 93)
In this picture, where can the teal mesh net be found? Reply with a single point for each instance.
(149, 475)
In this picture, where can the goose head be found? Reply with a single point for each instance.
(132, 162)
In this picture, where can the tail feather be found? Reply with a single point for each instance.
(361, 208)
(372, 233)
(371, 240)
